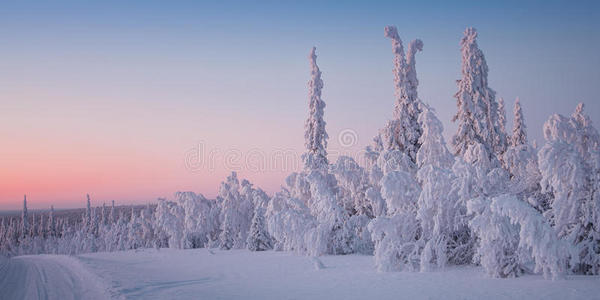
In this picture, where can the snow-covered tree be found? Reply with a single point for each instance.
(395, 235)
(112, 215)
(502, 117)
(395, 242)
(476, 176)
(353, 182)
(135, 232)
(103, 217)
(237, 208)
(24, 218)
(170, 219)
(315, 136)
(466, 185)
(411, 75)
(331, 235)
(433, 150)
(519, 134)
(88, 213)
(149, 236)
(289, 222)
(498, 240)
(259, 239)
(33, 226)
(201, 223)
(520, 160)
(513, 237)
(436, 208)
(477, 116)
(404, 131)
(569, 164)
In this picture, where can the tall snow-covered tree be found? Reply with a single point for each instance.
(519, 134)
(404, 131)
(315, 136)
(477, 115)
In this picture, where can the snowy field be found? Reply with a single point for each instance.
(240, 274)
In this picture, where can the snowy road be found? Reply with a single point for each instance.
(48, 277)
(240, 274)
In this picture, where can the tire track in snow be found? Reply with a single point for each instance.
(48, 277)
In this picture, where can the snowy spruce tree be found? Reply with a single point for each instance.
(394, 190)
(396, 145)
(259, 239)
(477, 116)
(112, 215)
(521, 162)
(329, 235)
(519, 134)
(502, 117)
(315, 219)
(88, 213)
(315, 136)
(24, 218)
(51, 222)
(403, 132)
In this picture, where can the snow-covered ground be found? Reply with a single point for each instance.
(240, 274)
(49, 277)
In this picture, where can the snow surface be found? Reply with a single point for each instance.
(241, 274)
(49, 277)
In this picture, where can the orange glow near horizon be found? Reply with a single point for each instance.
(63, 180)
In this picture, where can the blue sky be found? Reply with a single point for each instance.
(86, 83)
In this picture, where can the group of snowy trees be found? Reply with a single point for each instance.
(234, 220)
(97, 229)
(492, 199)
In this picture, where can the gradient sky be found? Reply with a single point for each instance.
(113, 98)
